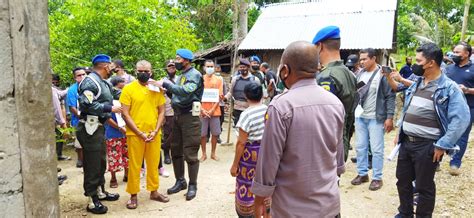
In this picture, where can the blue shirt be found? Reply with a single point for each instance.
(463, 75)
(406, 71)
(111, 132)
(71, 101)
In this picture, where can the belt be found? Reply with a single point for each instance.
(417, 139)
(83, 121)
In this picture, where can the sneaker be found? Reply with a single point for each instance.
(164, 173)
(454, 171)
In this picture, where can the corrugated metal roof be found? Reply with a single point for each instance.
(363, 24)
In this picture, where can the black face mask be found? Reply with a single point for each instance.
(143, 77)
(179, 65)
(418, 69)
(243, 72)
(255, 67)
(457, 59)
(283, 80)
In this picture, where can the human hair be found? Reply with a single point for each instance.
(265, 65)
(253, 92)
(208, 61)
(115, 80)
(77, 69)
(332, 44)
(408, 57)
(143, 63)
(217, 66)
(369, 51)
(431, 51)
(466, 46)
(119, 63)
(56, 77)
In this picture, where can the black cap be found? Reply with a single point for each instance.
(352, 60)
(244, 61)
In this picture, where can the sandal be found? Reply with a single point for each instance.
(159, 197)
(113, 183)
(132, 203)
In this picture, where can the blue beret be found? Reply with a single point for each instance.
(243, 61)
(101, 58)
(329, 32)
(185, 53)
(255, 58)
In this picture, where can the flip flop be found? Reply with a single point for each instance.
(132, 204)
(113, 184)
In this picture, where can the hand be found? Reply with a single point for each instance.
(143, 136)
(388, 125)
(463, 88)
(396, 76)
(438, 155)
(123, 130)
(151, 136)
(259, 206)
(222, 97)
(116, 109)
(234, 170)
(155, 83)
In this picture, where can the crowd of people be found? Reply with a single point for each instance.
(293, 127)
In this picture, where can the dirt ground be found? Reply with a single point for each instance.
(215, 198)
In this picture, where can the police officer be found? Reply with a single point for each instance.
(95, 103)
(185, 141)
(337, 78)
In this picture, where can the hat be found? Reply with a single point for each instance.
(101, 58)
(352, 60)
(170, 62)
(185, 53)
(119, 63)
(329, 32)
(243, 61)
(255, 58)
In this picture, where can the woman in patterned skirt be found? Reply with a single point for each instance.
(251, 125)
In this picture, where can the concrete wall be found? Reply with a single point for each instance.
(28, 185)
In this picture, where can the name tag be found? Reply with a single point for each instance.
(210, 95)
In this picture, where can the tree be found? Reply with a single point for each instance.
(128, 30)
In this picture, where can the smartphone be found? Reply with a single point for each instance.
(386, 69)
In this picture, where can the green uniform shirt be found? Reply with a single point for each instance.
(340, 81)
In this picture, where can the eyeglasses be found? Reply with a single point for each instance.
(143, 71)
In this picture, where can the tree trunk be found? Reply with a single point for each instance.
(235, 19)
(243, 18)
(465, 19)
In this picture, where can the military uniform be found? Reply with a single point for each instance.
(185, 141)
(337, 79)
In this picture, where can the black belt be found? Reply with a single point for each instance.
(417, 139)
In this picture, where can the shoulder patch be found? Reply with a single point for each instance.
(89, 95)
(183, 80)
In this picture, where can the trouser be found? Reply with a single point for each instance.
(59, 143)
(462, 143)
(167, 134)
(139, 151)
(94, 153)
(415, 161)
(236, 116)
(347, 134)
(222, 116)
(185, 145)
(369, 134)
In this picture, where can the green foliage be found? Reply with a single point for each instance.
(124, 29)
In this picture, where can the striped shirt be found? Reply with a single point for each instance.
(421, 119)
(252, 121)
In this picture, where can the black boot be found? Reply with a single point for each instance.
(178, 186)
(167, 156)
(96, 207)
(192, 190)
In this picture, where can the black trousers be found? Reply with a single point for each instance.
(236, 116)
(95, 162)
(415, 162)
(185, 144)
(59, 143)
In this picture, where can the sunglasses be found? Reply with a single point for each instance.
(143, 71)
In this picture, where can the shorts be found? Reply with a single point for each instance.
(77, 144)
(213, 123)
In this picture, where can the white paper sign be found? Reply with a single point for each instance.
(120, 121)
(153, 88)
(210, 95)
(394, 153)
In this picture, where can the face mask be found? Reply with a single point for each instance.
(209, 70)
(143, 77)
(418, 70)
(457, 59)
(255, 67)
(178, 65)
(243, 72)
